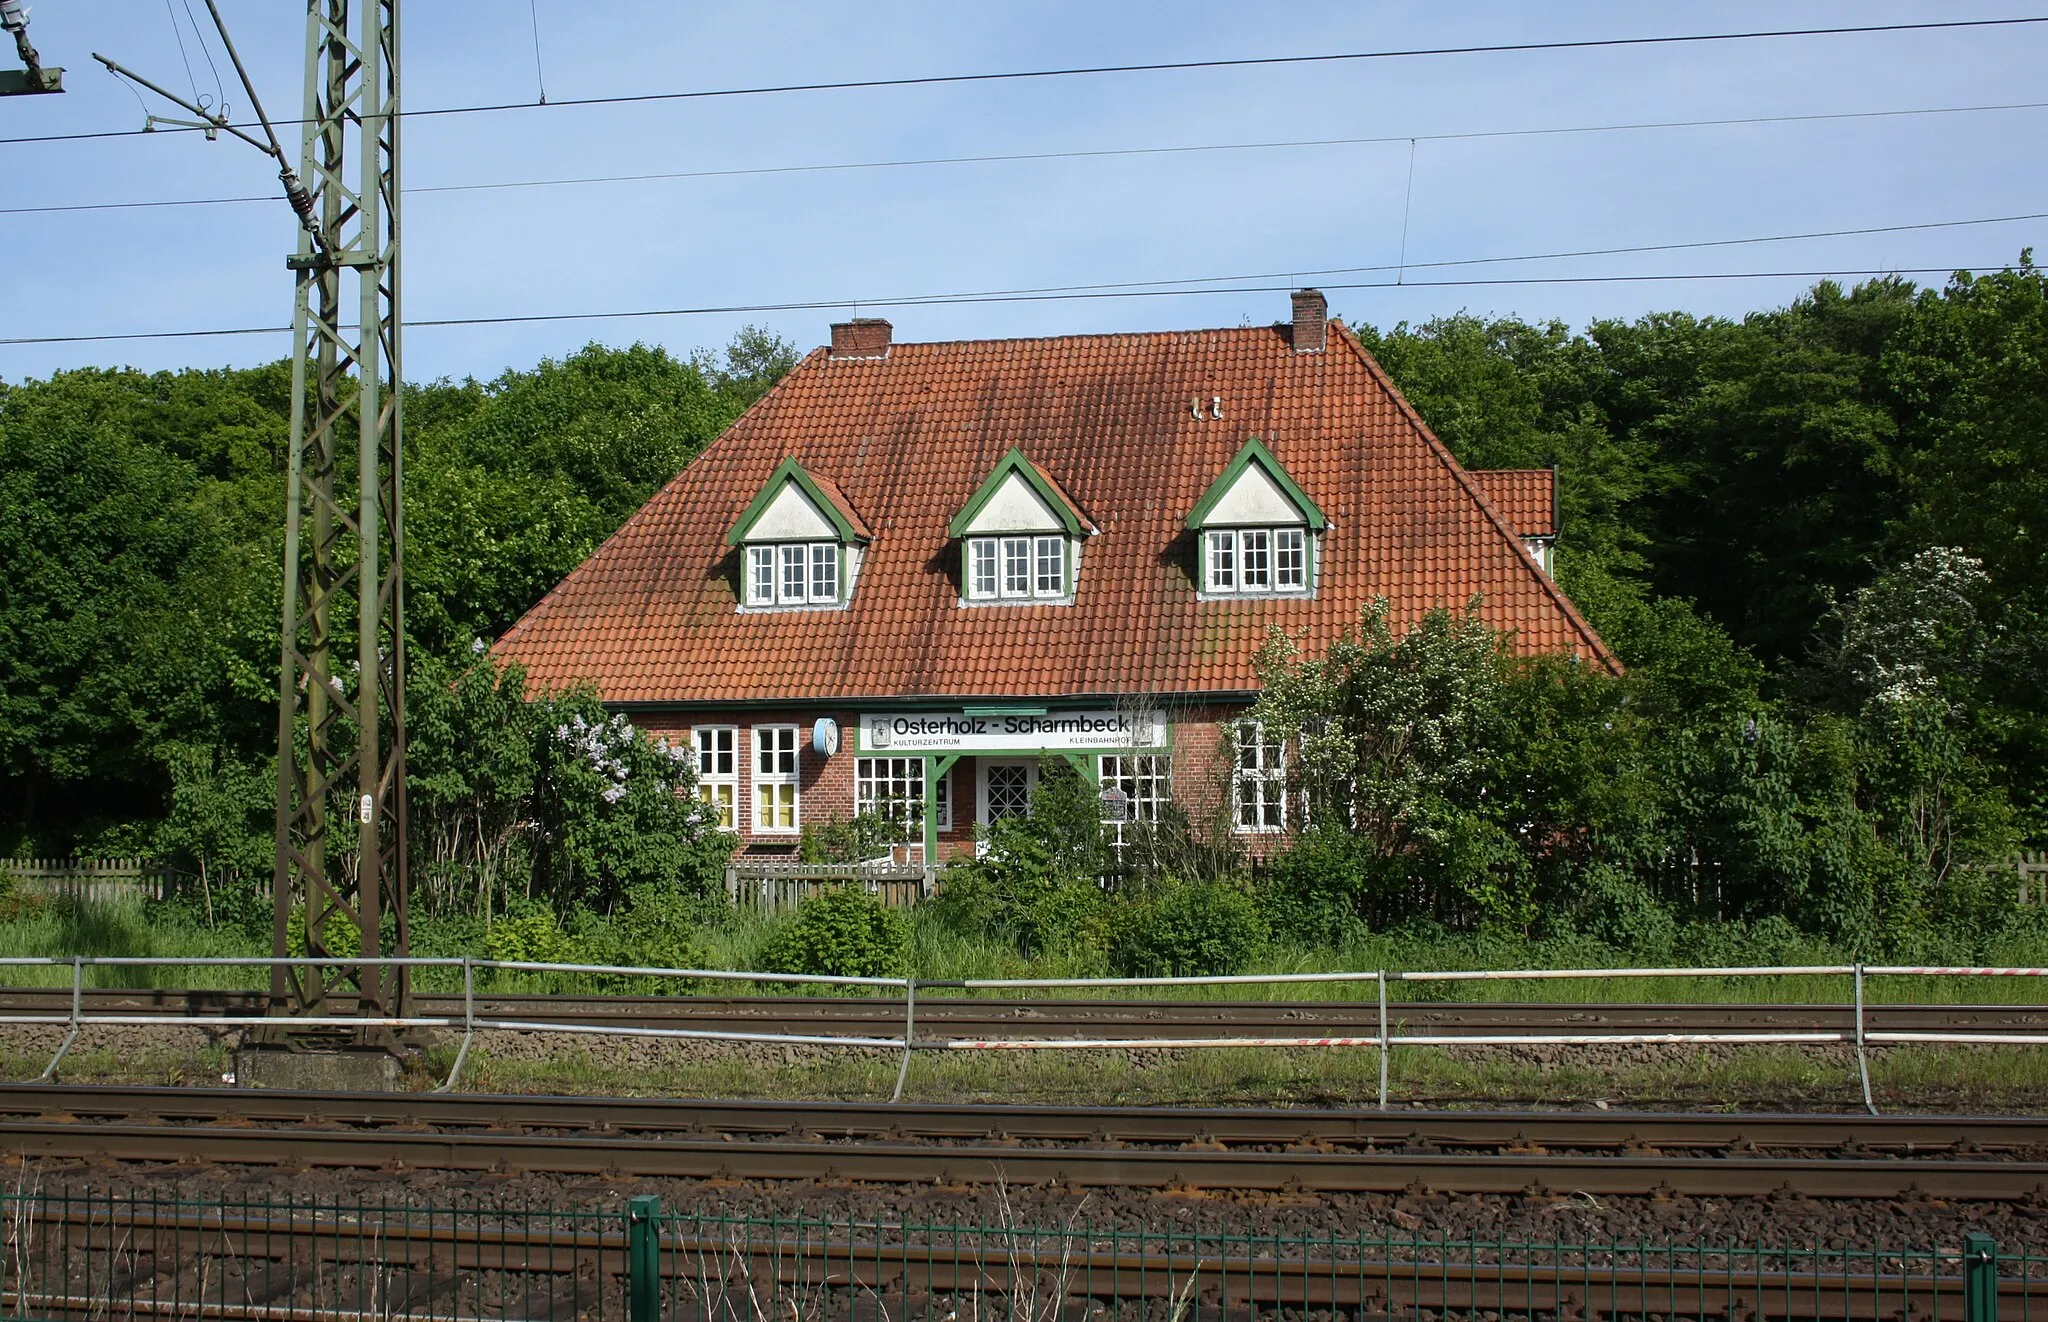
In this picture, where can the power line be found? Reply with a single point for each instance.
(946, 300)
(1081, 154)
(1683, 246)
(1142, 288)
(1077, 71)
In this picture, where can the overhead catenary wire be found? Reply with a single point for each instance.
(1295, 275)
(219, 91)
(946, 300)
(997, 158)
(295, 192)
(1168, 66)
(540, 78)
(186, 59)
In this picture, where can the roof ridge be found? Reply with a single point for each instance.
(1052, 339)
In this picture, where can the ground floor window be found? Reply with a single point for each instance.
(775, 780)
(1146, 782)
(718, 772)
(1259, 787)
(894, 787)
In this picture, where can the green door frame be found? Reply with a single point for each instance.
(935, 766)
(1088, 764)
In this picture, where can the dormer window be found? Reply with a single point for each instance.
(1020, 538)
(1256, 531)
(793, 574)
(1253, 560)
(1016, 568)
(801, 544)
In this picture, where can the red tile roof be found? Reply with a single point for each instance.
(1525, 497)
(1073, 507)
(831, 491)
(651, 616)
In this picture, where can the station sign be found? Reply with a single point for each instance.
(1048, 732)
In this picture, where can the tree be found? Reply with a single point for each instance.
(1036, 877)
(513, 484)
(138, 590)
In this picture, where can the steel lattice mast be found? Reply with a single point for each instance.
(341, 708)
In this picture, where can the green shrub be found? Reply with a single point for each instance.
(658, 930)
(1314, 891)
(854, 839)
(529, 933)
(1035, 877)
(843, 932)
(1619, 909)
(1186, 929)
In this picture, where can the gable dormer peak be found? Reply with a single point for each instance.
(1019, 496)
(797, 505)
(1255, 488)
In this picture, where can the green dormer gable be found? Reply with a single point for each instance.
(1015, 468)
(789, 478)
(1254, 480)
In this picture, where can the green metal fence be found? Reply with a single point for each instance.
(117, 1257)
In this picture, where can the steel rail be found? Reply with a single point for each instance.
(889, 1163)
(1203, 1163)
(1592, 1131)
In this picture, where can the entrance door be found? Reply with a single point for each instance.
(1006, 788)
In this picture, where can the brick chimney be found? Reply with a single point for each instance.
(1311, 321)
(863, 337)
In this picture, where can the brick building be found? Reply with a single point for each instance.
(913, 570)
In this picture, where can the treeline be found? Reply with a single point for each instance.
(141, 542)
(1813, 534)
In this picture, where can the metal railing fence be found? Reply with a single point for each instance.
(104, 1255)
(1385, 1038)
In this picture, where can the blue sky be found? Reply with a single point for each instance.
(861, 237)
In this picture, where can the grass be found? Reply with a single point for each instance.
(2007, 1078)
(122, 929)
(2010, 1080)
(1927, 1078)
(133, 929)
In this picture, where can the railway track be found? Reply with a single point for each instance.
(1972, 1158)
(974, 1017)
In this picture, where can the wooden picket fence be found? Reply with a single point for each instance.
(773, 885)
(88, 880)
(2032, 867)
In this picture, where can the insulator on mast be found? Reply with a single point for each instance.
(294, 193)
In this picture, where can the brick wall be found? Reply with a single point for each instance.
(824, 785)
(1202, 765)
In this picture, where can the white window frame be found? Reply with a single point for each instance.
(1247, 561)
(1147, 782)
(1219, 559)
(880, 783)
(776, 747)
(1258, 786)
(762, 575)
(1017, 567)
(1255, 559)
(795, 574)
(824, 577)
(982, 574)
(1290, 543)
(1048, 566)
(718, 770)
